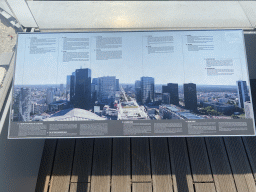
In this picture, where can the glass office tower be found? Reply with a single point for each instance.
(190, 97)
(172, 89)
(147, 89)
(83, 88)
(107, 89)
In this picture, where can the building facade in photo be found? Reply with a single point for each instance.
(138, 90)
(107, 89)
(95, 89)
(72, 87)
(83, 88)
(147, 89)
(68, 87)
(242, 93)
(49, 95)
(190, 96)
(117, 84)
(172, 89)
(166, 98)
(24, 104)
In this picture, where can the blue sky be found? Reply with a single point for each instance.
(180, 66)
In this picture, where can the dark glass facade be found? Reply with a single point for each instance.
(190, 96)
(72, 88)
(117, 84)
(83, 88)
(172, 89)
(138, 90)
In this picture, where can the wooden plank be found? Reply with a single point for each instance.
(182, 179)
(239, 164)
(62, 166)
(250, 143)
(221, 170)
(203, 187)
(46, 165)
(82, 165)
(101, 166)
(141, 187)
(121, 165)
(161, 170)
(199, 160)
(79, 187)
(140, 160)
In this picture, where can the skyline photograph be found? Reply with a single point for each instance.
(131, 76)
(107, 98)
(114, 77)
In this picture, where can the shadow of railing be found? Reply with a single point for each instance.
(120, 162)
(9, 21)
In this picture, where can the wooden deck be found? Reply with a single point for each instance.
(149, 164)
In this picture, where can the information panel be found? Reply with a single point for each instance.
(129, 84)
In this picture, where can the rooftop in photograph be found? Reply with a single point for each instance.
(74, 115)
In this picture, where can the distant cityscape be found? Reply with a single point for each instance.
(105, 98)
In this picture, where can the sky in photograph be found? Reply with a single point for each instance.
(180, 66)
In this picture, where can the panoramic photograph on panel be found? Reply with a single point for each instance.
(143, 77)
(115, 84)
(85, 97)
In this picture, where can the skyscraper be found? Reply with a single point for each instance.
(49, 95)
(83, 88)
(95, 89)
(24, 104)
(172, 89)
(242, 93)
(72, 87)
(166, 98)
(147, 89)
(117, 84)
(138, 90)
(68, 87)
(190, 96)
(61, 89)
(107, 89)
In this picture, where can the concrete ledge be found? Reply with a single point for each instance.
(8, 78)
(139, 14)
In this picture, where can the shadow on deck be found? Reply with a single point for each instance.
(148, 164)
